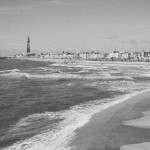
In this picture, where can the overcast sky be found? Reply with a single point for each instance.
(74, 24)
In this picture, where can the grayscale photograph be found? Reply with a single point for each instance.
(74, 74)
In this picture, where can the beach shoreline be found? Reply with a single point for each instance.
(106, 130)
(88, 136)
(85, 138)
(90, 62)
(98, 127)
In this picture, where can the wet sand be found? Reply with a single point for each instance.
(109, 129)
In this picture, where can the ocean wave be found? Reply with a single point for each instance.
(87, 66)
(95, 67)
(137, 73)
(83, 71)
(144, 75)
(60, 137)
(124, 83)
(15, 73)
(77, 76)
(70, 84)
(48, 69)
(61, 75)
(120, 85)
(33, 124)
(11, 70)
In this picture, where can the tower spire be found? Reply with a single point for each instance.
(28, 45)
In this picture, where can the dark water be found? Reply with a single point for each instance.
(6, 64)
(40, 98)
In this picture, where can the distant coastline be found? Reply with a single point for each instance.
(110, 63)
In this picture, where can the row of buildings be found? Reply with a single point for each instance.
(113, 56)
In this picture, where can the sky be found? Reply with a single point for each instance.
(74, 25)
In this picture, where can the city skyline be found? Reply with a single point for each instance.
(74, 24)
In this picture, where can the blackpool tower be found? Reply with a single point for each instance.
(28, 45)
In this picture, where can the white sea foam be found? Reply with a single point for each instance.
(47, 69)
(145, 75)
(11, 70)
(61, 136)
(25, 123)
(15, 73)
(70, 84)
(54, 76)
(83, 71)
(61, 75)
(87, 66)
(138, 73)
(100, 72)
(77, 76)
(15, 70)
(120, 85)
(4, 72)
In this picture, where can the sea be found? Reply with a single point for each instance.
(43, 103)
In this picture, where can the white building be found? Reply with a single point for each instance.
(114, 54)
(83, 55)
(124, 55)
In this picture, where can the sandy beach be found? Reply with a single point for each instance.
(89, 62)
(118, 127)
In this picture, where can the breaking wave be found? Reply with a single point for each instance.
(120, 85)
(55, 130)
(15, 73)
(60, 137)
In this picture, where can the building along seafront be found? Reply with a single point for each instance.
(95, 56)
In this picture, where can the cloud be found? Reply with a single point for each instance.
(6, 9)
(145, 42)
(27, 6)
(36, 3)
(132, 42)
(12, 9)
(110, 30)
(112, 37)
(56, 2)
(122, 41)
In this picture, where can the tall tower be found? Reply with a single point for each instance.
(28, 45)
